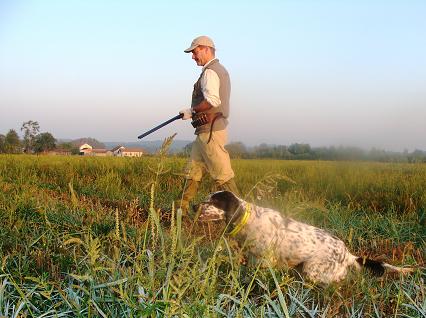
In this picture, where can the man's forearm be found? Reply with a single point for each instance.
(202, 107)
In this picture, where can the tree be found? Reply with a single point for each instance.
(281, 152)
(12, 144)
(236, 149)
(299, 149)
(30, 129)
(417, 156)
(44, 142)
(2, 140)
(68, 146)
(262, 151)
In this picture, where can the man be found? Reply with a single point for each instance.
(209, 112)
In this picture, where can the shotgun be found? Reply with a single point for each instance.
(160, 125)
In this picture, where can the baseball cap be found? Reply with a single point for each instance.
(201, 40)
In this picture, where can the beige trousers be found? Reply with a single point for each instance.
(211, 157)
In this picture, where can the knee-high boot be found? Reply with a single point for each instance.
(188, 194)
(229, 186)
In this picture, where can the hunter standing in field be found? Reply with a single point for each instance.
(209, 112)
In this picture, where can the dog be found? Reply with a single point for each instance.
(284, 242)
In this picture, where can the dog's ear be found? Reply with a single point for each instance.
(226, 201)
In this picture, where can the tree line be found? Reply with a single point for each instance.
(33, 140)
(301, 151)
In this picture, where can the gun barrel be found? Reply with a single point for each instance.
(160, 126)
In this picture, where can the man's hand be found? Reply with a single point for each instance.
(187, 113)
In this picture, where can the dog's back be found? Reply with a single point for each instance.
(287, 242)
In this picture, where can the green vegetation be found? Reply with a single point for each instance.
(306, 152)
(99, 237)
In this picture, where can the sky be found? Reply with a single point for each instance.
(326, 73)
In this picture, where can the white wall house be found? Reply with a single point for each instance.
(118, 151)
(130, 152)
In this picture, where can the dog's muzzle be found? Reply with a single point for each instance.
(209, 212)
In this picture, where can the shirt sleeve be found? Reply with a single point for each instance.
(210, 84)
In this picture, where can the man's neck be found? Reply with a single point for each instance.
(209, 62)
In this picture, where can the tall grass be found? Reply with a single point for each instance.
(100, 237)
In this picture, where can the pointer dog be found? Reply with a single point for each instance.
(286, 242)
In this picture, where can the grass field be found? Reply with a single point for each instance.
(88, 237)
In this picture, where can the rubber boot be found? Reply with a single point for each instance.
(230, 186)
(188, 194)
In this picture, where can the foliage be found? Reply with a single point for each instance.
(30, 129)
(298, 151)
(32, 141)
(68, 146)
(12, 144)
(44, 142)
(236, 149)
(2, 143)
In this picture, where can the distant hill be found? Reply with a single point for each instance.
(90, 141)
(150, 146)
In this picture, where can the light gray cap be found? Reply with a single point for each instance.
(201, 40)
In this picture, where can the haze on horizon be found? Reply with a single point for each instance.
(319, 72)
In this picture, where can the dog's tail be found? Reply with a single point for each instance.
(378, 268)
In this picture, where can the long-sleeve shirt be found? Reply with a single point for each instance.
(210, 85)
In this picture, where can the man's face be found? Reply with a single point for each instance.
(200, 55)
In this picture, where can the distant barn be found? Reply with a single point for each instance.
(118, 151)
(121, 151)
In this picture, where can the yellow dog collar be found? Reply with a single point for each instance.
(243, 221)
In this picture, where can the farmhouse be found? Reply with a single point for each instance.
(118, 151)
(88, 150)
(85, 149)
(129, 152)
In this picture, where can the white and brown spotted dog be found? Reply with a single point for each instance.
(285, 242)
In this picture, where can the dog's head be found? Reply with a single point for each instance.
(221, 205)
